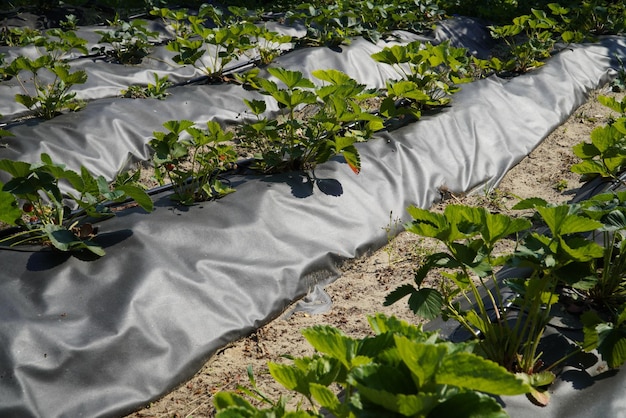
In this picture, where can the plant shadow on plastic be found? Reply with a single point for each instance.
(303, 184)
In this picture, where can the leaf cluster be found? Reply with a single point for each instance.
(508, 318)
(46, 214)
(130, 41)
(531, 38)
(401, 371)
(192, 159)
(211, 49)
(158, 90)
(291, 142)
(429, 75)
(335, 24)
(51, 83)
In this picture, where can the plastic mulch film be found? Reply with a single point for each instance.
(105, 337)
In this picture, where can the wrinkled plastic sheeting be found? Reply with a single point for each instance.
(102, 338)
(110, 134)
(107, 79)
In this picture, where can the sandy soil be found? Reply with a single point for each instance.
(366, 281)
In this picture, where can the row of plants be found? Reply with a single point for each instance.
(527, 42)
(565, 256)
(428, 76)
(193, 160)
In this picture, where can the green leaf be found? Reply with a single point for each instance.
(427, 224)
(178, 126)
(223, 400)
(15, 168)
(64, 240)
(326, 397)
(290, 377)
(586, 150)
(399, 293)
(561, 222)
(10, 212)
(608, 339)
(590, 167)
(26, 100)
(426, 303)
(382, 324)
(256, 106)
(422, 359)
(406, 405)
(613, 104)
(139, 195)
(332, 76)
(581, 249)
(331, 341)
(292, 79)
(352, 157)
(397, 54)
(498, 226)
(530, 203)
(473, 372)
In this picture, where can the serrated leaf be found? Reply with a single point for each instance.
(10, 212)
(406, 405)
(398, 293)
(397, 54)
(473, 372)
(139, 195)
(331, 341)
(561, 222)
(26, 100)
(426, 303)
(590, 167)
(422, 359)
(292, 79)
(290, 377)
(613, 104)
(326, 397)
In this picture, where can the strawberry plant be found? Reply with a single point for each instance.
(18, 36)
(507, 336)
(50, 93)
(191, 159)
(605, 155)
(267, 43)
(130, 41)
(429, 75)
(401, 371)
(38, 199)
(291, 143)
(211, 49)
(158, 90)
(50, 74)
(327, 24)
(530, 38)
(177, 20)
(596, 276)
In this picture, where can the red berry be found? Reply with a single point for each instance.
(28, 207)
(169, 166)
